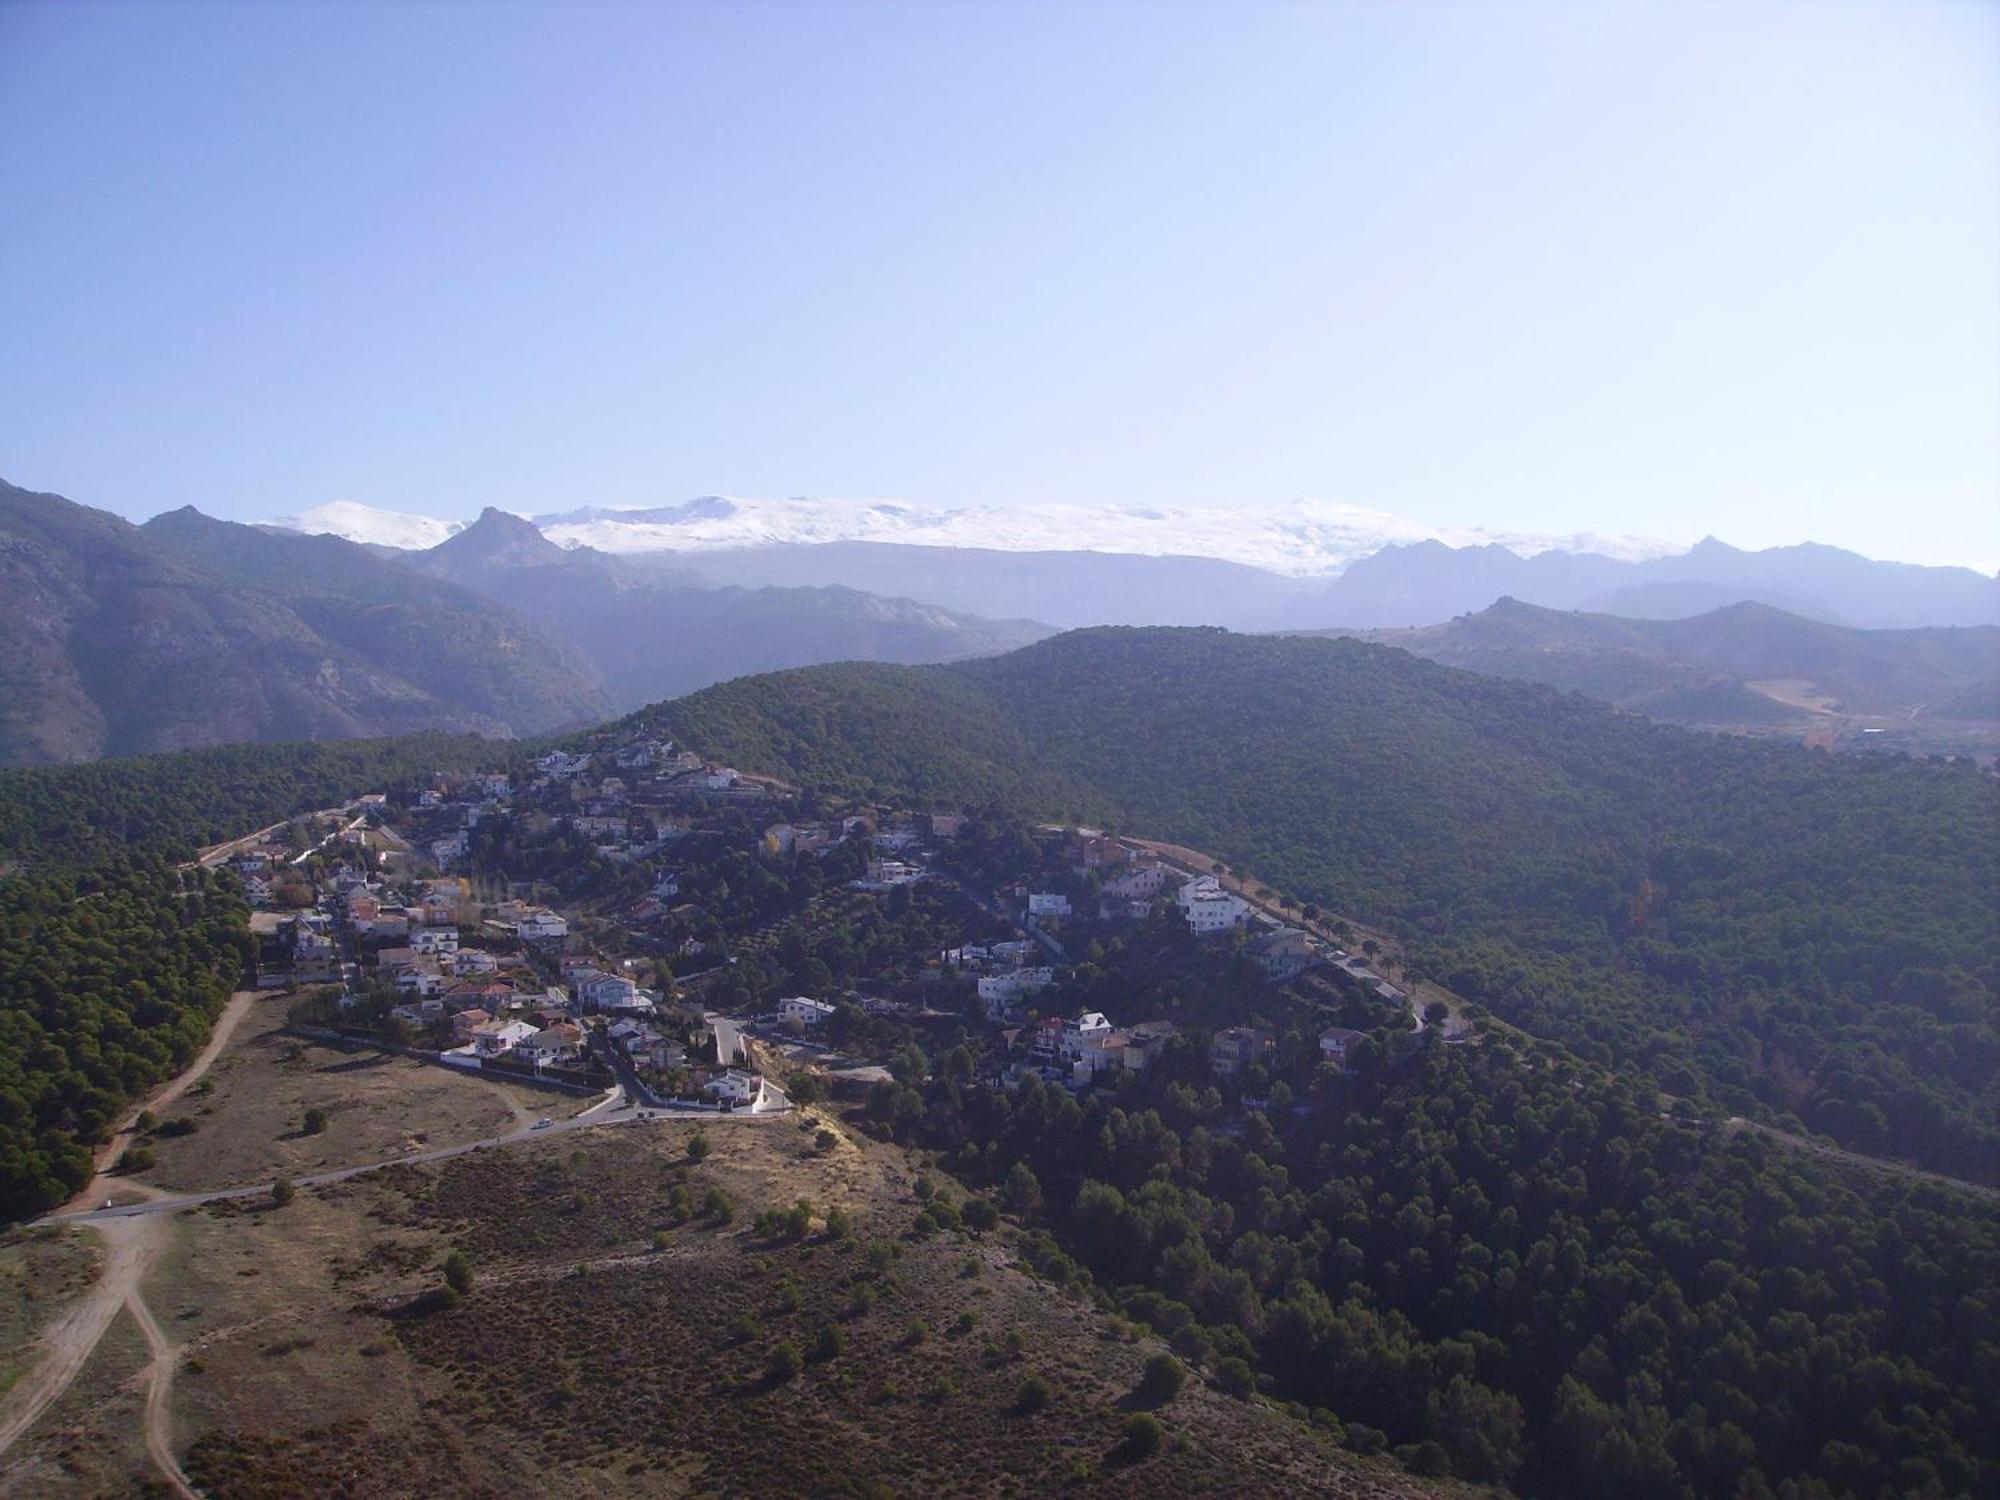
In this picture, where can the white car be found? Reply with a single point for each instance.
(544, 1123)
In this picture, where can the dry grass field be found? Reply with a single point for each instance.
(249, 1110)
(618, 1337)
(40, 1271)
(91, 1442)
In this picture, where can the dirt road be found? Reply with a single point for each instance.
(159, 1392)
(131, 1246)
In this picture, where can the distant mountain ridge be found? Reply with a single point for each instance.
(1427, 582)
(1744, 665)
(656, 630)
(118, 640)
(1303, 566)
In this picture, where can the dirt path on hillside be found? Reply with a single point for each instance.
(1860, 1160)
(159, 1391)
(131, 1246)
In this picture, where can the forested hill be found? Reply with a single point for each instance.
(164, 807)
(1783, 931)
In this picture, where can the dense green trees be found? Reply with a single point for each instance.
(1518, 1260)
(1783, 931)
(108, 982)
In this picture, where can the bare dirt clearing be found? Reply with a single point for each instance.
(250, 1110)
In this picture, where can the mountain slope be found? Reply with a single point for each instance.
(1065, 588)
(113, 642)
(1428, 581)
(1743, 664)
(653, 631)
(1781, 930)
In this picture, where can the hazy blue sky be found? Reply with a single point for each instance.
(1673, 270)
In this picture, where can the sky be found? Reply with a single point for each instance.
(1669, 271)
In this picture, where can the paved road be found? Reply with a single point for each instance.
(729, 1046)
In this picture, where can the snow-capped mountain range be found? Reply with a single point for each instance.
(1300, 539)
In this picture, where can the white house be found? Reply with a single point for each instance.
(542, 926)
(736, 1088)
(1208, 908)
(1048, 904)
(491, 1038)
(434, 940)
(421, 979)
(1090, 1027)
(801, 1011)
(606, 992)
(999, 993)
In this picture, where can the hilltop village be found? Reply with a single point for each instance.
(627, 915)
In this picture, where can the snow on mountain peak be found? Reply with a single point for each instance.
(1301, 538)
(364, 523)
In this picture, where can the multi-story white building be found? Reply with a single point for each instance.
(1209, 909)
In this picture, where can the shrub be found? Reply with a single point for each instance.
(784, 1363)
(826, 1344)
(698, 1147)
(1234, 1376)
(315, 1123)
(458, 1272)
(185, 1125)
(742, 1328)
(1427, 1459)
(718, 1206)
(1163, 1379)
(135, 1159)
(1034, 1394)
(981, 1214)
(1365, 1439)
(1143, 1436)
(283, 1191)
(838, 1224)
(824, 1141)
